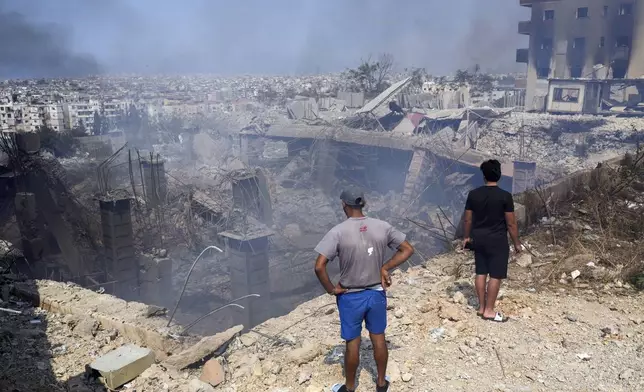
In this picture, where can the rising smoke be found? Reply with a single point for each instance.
(30, 49)
(258, 37)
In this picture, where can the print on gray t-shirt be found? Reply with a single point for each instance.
(360, 244)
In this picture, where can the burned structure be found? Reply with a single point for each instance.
(580, 39)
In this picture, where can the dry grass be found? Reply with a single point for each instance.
(602, 222)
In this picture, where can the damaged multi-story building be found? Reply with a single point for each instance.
(601, 41)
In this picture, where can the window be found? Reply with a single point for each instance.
(546, 44)
(579, 43)
(622, 42)
(626, 9)
(602, 42)
(543, 73)
(582, 12)
(566, 94)
(605, 11)
(549, 15)
(575, 72)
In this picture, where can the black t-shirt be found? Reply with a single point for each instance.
(489, 205)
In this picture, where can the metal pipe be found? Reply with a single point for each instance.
(188, 277)
(11, 311)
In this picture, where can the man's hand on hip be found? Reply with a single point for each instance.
(385, 279)
(338, 290)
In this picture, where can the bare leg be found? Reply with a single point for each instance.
(479, 284)
(381, 355)
(493, 287)
(351, 362)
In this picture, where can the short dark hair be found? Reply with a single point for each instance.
(491, 170)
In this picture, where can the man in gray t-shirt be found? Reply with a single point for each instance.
(360, 243)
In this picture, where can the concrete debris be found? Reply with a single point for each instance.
(305, 354)
(199, 386)
(205, 347)
(575, 274)
(212, 373)
(123, 364)
(87, 327)
(524, 260)
(155, 311)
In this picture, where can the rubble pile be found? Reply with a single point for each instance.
(560, 144)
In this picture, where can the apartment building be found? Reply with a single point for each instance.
(570, 39)
(80, 112)
(7, 117)
(54, 117)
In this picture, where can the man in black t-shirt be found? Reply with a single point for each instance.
(489, 217)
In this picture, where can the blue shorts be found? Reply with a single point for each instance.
(369, 306)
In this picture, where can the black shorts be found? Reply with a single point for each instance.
(491, 257)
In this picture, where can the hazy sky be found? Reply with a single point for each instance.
(58, 37)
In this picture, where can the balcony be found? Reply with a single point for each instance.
(522, 56)
(525, 27)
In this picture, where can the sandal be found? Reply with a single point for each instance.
(340, 388)
(498, 318)
(385, 388)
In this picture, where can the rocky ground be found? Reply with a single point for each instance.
(572, 338)
(577, 335)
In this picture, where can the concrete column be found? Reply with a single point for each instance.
(325, 162)
(156, 185)
(636, 63)
(33, 245)
(187, 141)
(249, 274)
(244, 149)
(121, 263)
(523, 177)
(416, 174)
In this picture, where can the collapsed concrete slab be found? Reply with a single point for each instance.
(204, 348)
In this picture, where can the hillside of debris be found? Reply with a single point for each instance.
(574, 298)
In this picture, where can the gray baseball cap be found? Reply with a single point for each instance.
(353, 197)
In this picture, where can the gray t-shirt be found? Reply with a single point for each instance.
(361, 245)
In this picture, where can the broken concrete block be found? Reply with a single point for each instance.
(213, 373)
(123, 364)
(86, 327)
(205, 347)
(306, 353)
(199, 386)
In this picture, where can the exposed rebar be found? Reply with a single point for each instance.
(231, 303)
(187, 278)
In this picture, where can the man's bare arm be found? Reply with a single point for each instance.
(513, 229)
(404, 252)
(322, 274)
(467, 230)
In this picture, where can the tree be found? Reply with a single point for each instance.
(371, 77)
(418, 77)
(96, 126)
(479, 83)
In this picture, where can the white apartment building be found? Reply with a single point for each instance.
(55, 117)
(30, 118)
(79, 112)
(7, 117)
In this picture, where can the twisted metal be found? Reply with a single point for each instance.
(187, 278)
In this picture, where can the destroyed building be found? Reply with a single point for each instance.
(581, 39)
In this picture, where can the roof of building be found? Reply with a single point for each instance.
(383, 96)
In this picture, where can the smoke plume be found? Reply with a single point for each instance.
(37, 50)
